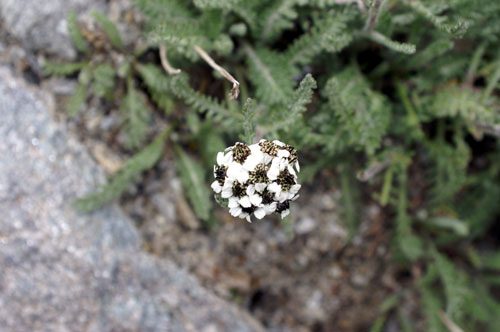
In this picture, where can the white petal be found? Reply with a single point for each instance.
(233, 170)
(266, 159)
(243, 176)
(259, 213)
(226, 192)
(233, 202)
(235, 212)
(278, 143)
(297, 166)
(255, 200)
(282, 196)
(274, 187)
(283, 153)
(285, 213)
(274, 170)
(270, 208)
(295, 197)
(216, 187)
(245, 201)
(250, 190)
(248, 218)
(292, 171)
(253, 160)
(295, 188)
(255, 148)
(220, 158)
(260, 187)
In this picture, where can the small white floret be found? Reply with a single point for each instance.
(245, 201)
(216, 187)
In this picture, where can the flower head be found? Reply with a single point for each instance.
(257, 179)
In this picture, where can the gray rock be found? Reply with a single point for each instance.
(42, 25)
(66, 271)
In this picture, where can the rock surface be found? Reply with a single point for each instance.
(42, 25)
(64, 271)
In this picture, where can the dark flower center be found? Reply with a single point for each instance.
(267, 197)
(240, 152)
(220, 174)
(260, 174)
(239, 190)
(268, 147)
(293, 154)
(282, 206)
(249, 210)
(285, 179)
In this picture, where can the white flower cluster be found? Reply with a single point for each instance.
(257, 179)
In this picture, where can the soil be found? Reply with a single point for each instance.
(305, 274)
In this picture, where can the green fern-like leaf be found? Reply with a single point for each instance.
(137, 117)
(329, 33)
(109, 29)
(297, 105)
(103, 80)
(178, 85)
(220, 4)
(77, 99)
(363, 113)
(393, 45)
(192, 177)
(455, 286)
(270, 74)
(278, 17)
(458, 29)
(158, 11)
(143, 160)
(75, 34)
(249, 121)
(62, 69)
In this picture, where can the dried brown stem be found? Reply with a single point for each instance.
(164, 62)
(235, 91)
(449, 323)
(489, 128)
(373, 170)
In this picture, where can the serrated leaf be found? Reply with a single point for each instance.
(75, 34)
(137, 117)
(270, 74)
(297, 105)
(62, 69)
(221, 4)
(455, 286)
(77, 99)
(393, 45)
(109, 29)
(364, 114)
(103, 79)
(248, 122)
(143, 160)
(193, 180)
(458, 29)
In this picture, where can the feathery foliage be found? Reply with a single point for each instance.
(109, 29)
(75, 33)
(406, 90)
(143, 160)
(191, 173)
